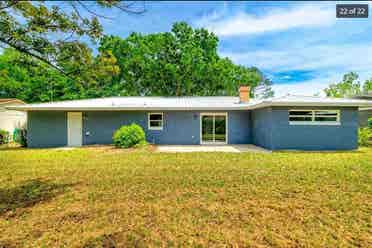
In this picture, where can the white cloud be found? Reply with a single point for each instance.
(329, 61)
(275, 20)
(306, 88)
(352, 56)
(327, 47)
(316, 85)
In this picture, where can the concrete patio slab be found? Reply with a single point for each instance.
(211, 148)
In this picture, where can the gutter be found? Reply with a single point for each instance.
(263, 104)
(25, 108)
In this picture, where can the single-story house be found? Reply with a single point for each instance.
(289, 122)
(11, 119)
(364, 113)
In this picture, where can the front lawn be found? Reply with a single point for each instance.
(102, 197)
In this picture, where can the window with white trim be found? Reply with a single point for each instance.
(155, 121)
(314, 117)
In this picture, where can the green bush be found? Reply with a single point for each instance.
(129, 136)
(4, 137)
(365, 136)
(370, 122)
(20, 136)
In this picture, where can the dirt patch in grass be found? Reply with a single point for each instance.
(113, 149)
(97, 197)
(14, 201)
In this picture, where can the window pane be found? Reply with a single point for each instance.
(326, 112)
(156, 123)
(325, 118)
(300, 118)
(156, 117)
(301, 112)
(207, 128)
(220, 128)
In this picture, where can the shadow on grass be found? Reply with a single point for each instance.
(8, 147)
(28, 194)
(104, 241)
(117, 239)
(12, 149)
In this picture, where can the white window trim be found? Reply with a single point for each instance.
(149, 123)
(227, 128)
(313, 122)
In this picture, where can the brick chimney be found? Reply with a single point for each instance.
(244, 94)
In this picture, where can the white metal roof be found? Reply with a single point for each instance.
(293, 100)
(189, 103)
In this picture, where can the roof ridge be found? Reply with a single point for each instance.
(149, 97)
(307, 96)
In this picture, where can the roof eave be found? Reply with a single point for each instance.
(238, 107)
(25, 108)
(308, 104)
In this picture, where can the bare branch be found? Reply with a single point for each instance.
(93, 12)
(69, 36)
(9, 5)
(126, 8)
(76, 10)
(23, 50)
(40, 58)
(128, 5)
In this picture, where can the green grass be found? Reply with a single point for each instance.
(102, 197)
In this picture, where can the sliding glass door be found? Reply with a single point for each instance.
(213, 128)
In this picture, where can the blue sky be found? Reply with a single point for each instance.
(301, 46)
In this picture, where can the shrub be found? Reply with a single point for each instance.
(4, 137)
(370, 122)
(129, 136)
(365, 136)
(20, 136)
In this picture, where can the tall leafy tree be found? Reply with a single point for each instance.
(348, 87)
(51, 31)
(264, 90)
(26, 78)
(367, 87)
(182, 62)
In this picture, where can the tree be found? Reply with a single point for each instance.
(264, 90)
(28, 79)
(367, 87)
(349, 86)
(45, 30)
(182, 62)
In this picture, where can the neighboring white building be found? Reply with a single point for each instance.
(11, 119)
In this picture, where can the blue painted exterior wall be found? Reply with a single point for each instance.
(46, 129)
(271, 129)
(315, 137)
(239, 127)
(180, 127)
(267, 127)
(261, 121)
